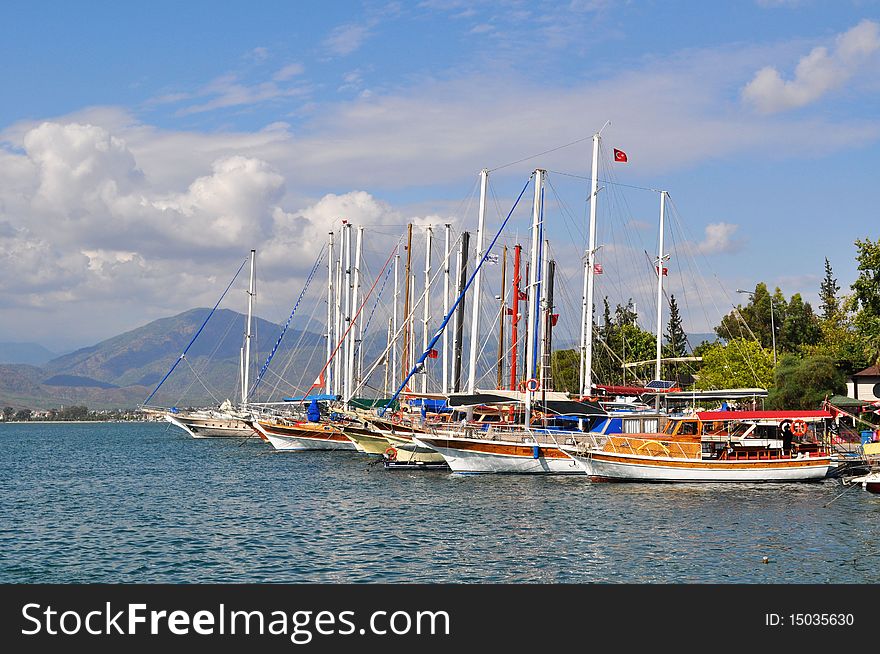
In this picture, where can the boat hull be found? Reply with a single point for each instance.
(477, 456)
(407, 449)
(212, 427)
(303, 437)
(620, 467)
(368, 443)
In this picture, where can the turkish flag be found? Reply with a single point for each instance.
(554, 318)
(620, 155)
(433, 354)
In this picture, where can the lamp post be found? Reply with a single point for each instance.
(772, 321)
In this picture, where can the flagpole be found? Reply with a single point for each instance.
(660, 259)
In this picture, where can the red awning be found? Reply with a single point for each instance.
(794, 414)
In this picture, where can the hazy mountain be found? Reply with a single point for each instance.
(29, 353)
(123, 370)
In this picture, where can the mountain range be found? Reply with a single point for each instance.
(122, 371)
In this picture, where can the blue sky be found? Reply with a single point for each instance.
(145, 147)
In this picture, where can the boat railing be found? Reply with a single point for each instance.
(643, 446)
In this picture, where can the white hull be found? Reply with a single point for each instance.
(212, 427)
(621, 467)
(463, 458)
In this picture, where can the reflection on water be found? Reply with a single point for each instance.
(144, 503)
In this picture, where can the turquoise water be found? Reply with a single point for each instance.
(144, 503)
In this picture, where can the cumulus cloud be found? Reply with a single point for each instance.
(817, 73)
(719, 239)
(82, 223)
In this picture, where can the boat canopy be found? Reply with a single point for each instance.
(309, 398)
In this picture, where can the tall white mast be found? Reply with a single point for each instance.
(589, 276)
(447, 229)
(337, 362)
(353, 342)
(426, 315)
(246, 359)
(534, 299)
(475, 312)
(346, 345)
(660, 259)
(328, 378)
(534, 275)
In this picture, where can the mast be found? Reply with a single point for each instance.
(501, 311)
(337, 362)
(394, 312)
(447, 229)
(475, 308)
(547, 371)
(406, 309)
(514, 316)
(346, 381)
(352, 341)
(534, 278)
(389, 341)
(459, 313)
(426, 315)
(246, 359)
(586, 366)
(660, 259)
(328, 386)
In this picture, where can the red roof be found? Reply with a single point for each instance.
(873, 371)
(793, 414)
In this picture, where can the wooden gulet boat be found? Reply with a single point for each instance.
(717, 446)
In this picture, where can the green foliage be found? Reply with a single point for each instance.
(676, 337)
(8, 412)
(804, 383)
(866, 288)
(828, 294)
(739, 363)
(23, 415)
(565, 368)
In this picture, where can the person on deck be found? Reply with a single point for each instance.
(787, 437)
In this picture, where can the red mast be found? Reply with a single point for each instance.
(514, 316)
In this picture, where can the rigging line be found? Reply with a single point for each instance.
(213, 397)
(540, 154)
(360, 308)
(183, 354)
(297, 346)
(606, 181)
(370, 317)
(289, 318)
(421, 362)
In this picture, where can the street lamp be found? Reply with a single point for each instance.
(772, 321)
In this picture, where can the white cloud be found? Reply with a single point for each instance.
(345, 39)
(817, 73)
(720, 239)
(289, 71)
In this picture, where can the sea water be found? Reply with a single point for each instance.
(145, 503)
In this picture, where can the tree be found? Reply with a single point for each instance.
(828, 294)
(8, 412)
(799, 326)
(676, 337)
(804, 383)
(754, 320)
(565, 366)
(23, 415)
(739, 363)
(866, 295)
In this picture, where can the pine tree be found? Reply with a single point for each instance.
(676, 338)
(828, 294)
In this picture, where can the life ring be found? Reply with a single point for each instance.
(396, 418)
(391, 454)
(799, 427)
(532, 385)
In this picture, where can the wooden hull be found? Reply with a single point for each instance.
(407, 449)
(208, 427)
(602, 466)
(484, 456)
(369, 443)
(303, 436)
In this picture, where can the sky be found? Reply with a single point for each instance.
(145, 148)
